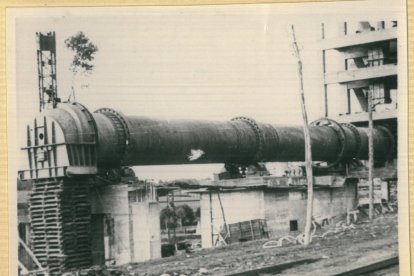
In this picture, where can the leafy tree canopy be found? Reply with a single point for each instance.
(170, 217)
(185, 213)
(84, 51)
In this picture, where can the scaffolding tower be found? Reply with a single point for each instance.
(46, 67)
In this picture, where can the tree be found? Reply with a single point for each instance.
(198, 213)
(84, 53)
(185, 214)
(168, 218)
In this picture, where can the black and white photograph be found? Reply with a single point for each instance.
(242, 139)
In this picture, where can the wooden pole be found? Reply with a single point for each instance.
(370, 155)
(175, 221)
(325, 86)
(168, 231)
(224, 217)
(211, 218)
(32, 255)
(308, 151)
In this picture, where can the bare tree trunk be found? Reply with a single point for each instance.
(224, 217)
(168, 232)
(72, 96)
(308, 151)
(370, 156)
(211, 217)
(175, 239)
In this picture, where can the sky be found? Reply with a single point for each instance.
(198, 62)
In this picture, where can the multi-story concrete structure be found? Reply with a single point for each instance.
(361, 58)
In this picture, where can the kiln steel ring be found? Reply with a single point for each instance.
(342, 138)
(89, 115)
(392, 141)
(120, 124)
(357, 138)
(258, 133)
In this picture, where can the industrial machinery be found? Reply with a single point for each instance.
(70, 141)
(68, 146)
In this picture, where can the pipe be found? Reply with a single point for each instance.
(71, 140)
(145, 141)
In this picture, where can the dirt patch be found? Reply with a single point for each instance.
(367, 242)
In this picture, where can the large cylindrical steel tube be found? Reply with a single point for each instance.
(133, 140)
(70, 140)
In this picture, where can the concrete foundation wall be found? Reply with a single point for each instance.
(283, 209)
(345, 198)
(121, 248)
(277, 212)
(135, 235)
(113, 201)
(237, 205)
(146, 236)
(110, 199)
(297, 207)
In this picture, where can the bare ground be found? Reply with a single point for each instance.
(367, 243)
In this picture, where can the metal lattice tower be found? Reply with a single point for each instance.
(46, 67)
